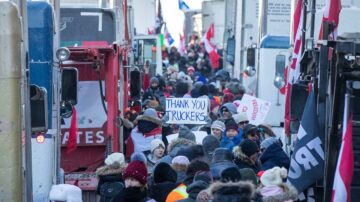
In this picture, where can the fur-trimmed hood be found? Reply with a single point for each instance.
(110, 170)
(179, 142)
(289, 193)
(240, 155)
(226, 191)
(149, 118)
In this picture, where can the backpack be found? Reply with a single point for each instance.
(110, 190)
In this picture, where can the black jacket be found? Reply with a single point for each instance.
(160, 191)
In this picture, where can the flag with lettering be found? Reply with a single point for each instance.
(307, 160)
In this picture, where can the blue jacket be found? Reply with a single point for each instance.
(273, 156)
(231, 143)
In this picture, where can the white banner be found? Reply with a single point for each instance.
(256, 109)
(187, 110)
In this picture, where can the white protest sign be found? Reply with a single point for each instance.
(187, 110)
(199, 136)
(256, 109)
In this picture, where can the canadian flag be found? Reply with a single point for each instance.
(345, 166)
(210, 48)
(331, 14)
(293, 72)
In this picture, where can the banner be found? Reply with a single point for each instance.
(256, 109)
(187, 110)
(307, 161)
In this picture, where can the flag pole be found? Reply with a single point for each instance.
(347, 104)
(304, 7)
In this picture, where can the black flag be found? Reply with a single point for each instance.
(307, 161)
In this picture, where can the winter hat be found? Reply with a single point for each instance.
(138, 156)
(249, 147)
(222, 154)
(192, 152)
(210, 143)
(155, 143)
(154, 80)
(185, 132)
(196, 166)
(115, 158)
(164, 173)
(180, 160)
(231, 124)
(204, 90)
(228, 98)
(190, 69)
(203, 196)
(229, 106)
(181, 89)
(273, 176)
(136, 170)
(232, 191)
(150, 115)
(204, 176)
(231, 174)
(248, 174)
(219, 125)
(268, 142)
(240, 117)
(65, 192)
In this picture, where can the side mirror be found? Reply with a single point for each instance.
(39, 108)
(230, 50)
(250, 69)
(69, 88)
(135, 84)
(279, 81)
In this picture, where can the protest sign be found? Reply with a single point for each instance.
(199, 136)
(187, 110)
(256, 109)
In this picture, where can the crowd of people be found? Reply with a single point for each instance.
(237, 161)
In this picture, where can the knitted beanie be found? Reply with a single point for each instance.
(231, 124)
(249, 147)
(219, 125)
(136, 170)
(155, 143)
(273, 176)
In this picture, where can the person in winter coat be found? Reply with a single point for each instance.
(180, 191)
(246, 155)
(135, 177)
(155, 91)
(164, 181)
(110, 176)
(148, 129)
(221, 160)
(273, 187)
(273, 155)
(210, 143)
(201, 181)
(157, 152)
(180, 164)
(231, 138)
(217, 129)
(227, 110)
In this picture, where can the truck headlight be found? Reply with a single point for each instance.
(62, 54)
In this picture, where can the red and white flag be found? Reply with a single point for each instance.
(293, 72)
(345, 166)
(182, 45)
(210, 47)
(331, 14)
